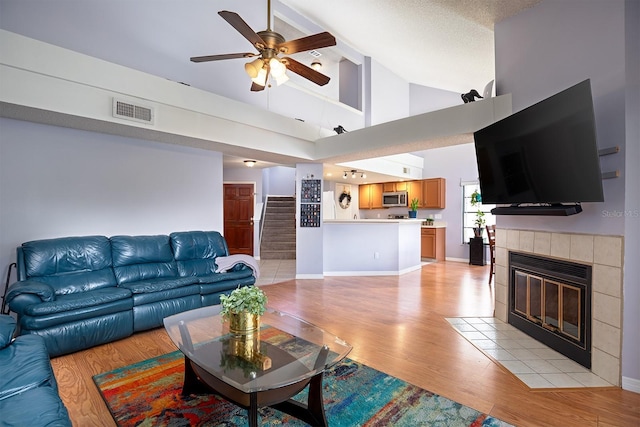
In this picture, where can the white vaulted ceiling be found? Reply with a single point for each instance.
(445, 44)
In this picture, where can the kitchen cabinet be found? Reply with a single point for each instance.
(434, 193)
(414, 191)
(370, 196)
(388, 186)
(432, 242)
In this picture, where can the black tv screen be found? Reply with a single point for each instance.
(544, 154)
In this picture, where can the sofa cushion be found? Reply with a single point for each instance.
(69, 264)
(24, 365)
(7, 329)
(158, 285)
(66, 303)
(195, 251)
(139, 258)
(40, 406)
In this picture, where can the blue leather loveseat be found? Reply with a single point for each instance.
(28, 388)
(78, 292)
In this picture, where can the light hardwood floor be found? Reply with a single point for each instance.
(396, 325)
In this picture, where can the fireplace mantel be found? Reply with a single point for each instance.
(605, 255)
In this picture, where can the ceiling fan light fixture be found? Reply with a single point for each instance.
(277, 68)
(316, 65)
(281, 79)
(261, 78)
(253, 68)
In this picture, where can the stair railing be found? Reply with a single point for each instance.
(264, 211)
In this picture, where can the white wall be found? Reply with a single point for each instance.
(389, 95)
(58, 182)
(279, 181)
(425, 99)
(550, 47)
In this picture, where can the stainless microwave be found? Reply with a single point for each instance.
(393, 199)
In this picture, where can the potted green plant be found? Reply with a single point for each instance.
(243, 308)
(413, 213)
(476, 199)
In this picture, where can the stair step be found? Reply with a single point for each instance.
(278, 239)
(279, 246)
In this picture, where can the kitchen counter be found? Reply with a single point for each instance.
(383, 220)
(373, 220)
(371, 247)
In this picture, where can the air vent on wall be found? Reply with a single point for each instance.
(128, 111)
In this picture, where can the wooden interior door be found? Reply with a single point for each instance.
(238, 218)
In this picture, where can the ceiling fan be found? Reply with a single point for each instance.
(270, 45)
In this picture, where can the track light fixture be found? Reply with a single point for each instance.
(339, 129)
(354, 173)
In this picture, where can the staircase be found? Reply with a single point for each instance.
(278, 240)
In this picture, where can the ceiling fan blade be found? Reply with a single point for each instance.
(243, 28)
(316, 41)
(306, 72)
(221, 57)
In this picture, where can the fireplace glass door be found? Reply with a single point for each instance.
(551, 304)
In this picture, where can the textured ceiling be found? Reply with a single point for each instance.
(447, 44)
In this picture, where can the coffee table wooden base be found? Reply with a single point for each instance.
(198, 380)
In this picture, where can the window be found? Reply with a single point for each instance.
(469, 212)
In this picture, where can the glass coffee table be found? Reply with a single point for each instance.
(266, 368)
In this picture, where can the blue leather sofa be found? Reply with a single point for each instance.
(28, 388)
(78, 292)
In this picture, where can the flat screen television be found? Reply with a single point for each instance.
(545, 155)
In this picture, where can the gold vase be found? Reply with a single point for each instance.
(243, 323)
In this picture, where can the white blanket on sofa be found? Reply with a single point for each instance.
(226, 263)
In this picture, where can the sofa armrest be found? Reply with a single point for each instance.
(28, 292)
(7, 329)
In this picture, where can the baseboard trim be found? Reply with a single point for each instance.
(361, 273)
(309, 276)
(631, 384)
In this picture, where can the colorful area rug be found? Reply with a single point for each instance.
(149, 394)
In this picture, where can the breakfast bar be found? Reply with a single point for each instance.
(371, 247)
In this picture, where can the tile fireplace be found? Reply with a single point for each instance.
(585, 317)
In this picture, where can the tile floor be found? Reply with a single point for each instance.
(535, 364)
(276, 270)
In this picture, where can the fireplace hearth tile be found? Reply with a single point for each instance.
(562, 380)
(517, 367)
(535, 381)
(531, 344)
(533, 363)
(547, 353)
(542, 367)
(500, 354)
(589, 379)
(524, 354)
(567, 366)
